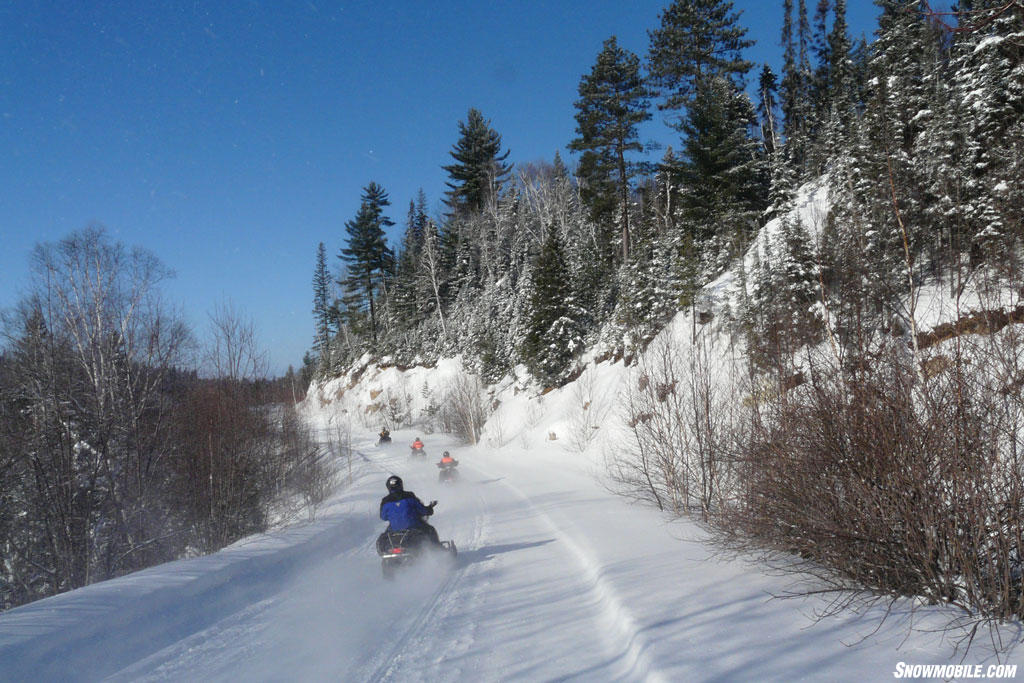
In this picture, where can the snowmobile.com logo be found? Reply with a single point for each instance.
(955, 671)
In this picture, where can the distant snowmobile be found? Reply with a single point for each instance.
(385, 437)
(416, 449)
(448, 473)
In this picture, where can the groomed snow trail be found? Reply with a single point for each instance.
(556, 579)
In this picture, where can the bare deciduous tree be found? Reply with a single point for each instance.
(464, 408)
(93, 350)
(683, 421)
(233, 350)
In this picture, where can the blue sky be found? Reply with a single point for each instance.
(229, 138)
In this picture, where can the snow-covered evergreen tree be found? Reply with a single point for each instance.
(988, 85)
(723, 171)
(322, 308)
(552, 337)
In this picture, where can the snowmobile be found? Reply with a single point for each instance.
(385, 437)
(399, 549)
(448, 473)
(417, 453)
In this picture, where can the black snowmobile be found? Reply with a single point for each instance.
(414, 537)
(399, 549)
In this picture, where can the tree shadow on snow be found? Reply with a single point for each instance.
(488, 551)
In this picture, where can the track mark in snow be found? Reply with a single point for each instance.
(622, 636)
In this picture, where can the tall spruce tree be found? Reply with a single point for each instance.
(832, 90)
(988, 85)
(888, 184)
(612, 103)
(322, 308)
(695, 60)
(697, 39)
(790, 86)
(552, 336)
(796, 80)
(723, 172)
(822, 58)
(479, 169)
(369, 261)
(840, 69)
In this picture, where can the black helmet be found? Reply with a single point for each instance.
(394, 483)
(447, 454)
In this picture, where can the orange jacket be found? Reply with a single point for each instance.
(417, 444)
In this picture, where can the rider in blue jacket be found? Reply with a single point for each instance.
(402, 510)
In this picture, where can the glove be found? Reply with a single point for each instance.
(432, 504)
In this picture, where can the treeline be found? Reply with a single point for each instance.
(917, 135)
(849, 444)
(844, 443)
(114, 453)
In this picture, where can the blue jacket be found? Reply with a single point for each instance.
(403, 510)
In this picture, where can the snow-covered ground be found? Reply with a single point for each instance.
(556, 578)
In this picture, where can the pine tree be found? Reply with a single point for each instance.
(842, 88)
(611, 105)
(697, 39)
(558, 168)
(888, 196)
(552, 336)
(369, 260)
(782, 184)
(777, 311)
(798, 280)
(988, 85)
(479, 169)
(840, 68)
(803, 32)
(322, 308)
(822, 58)
(790, 87)
(695, 59)
(723, 171)
(796, 77)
